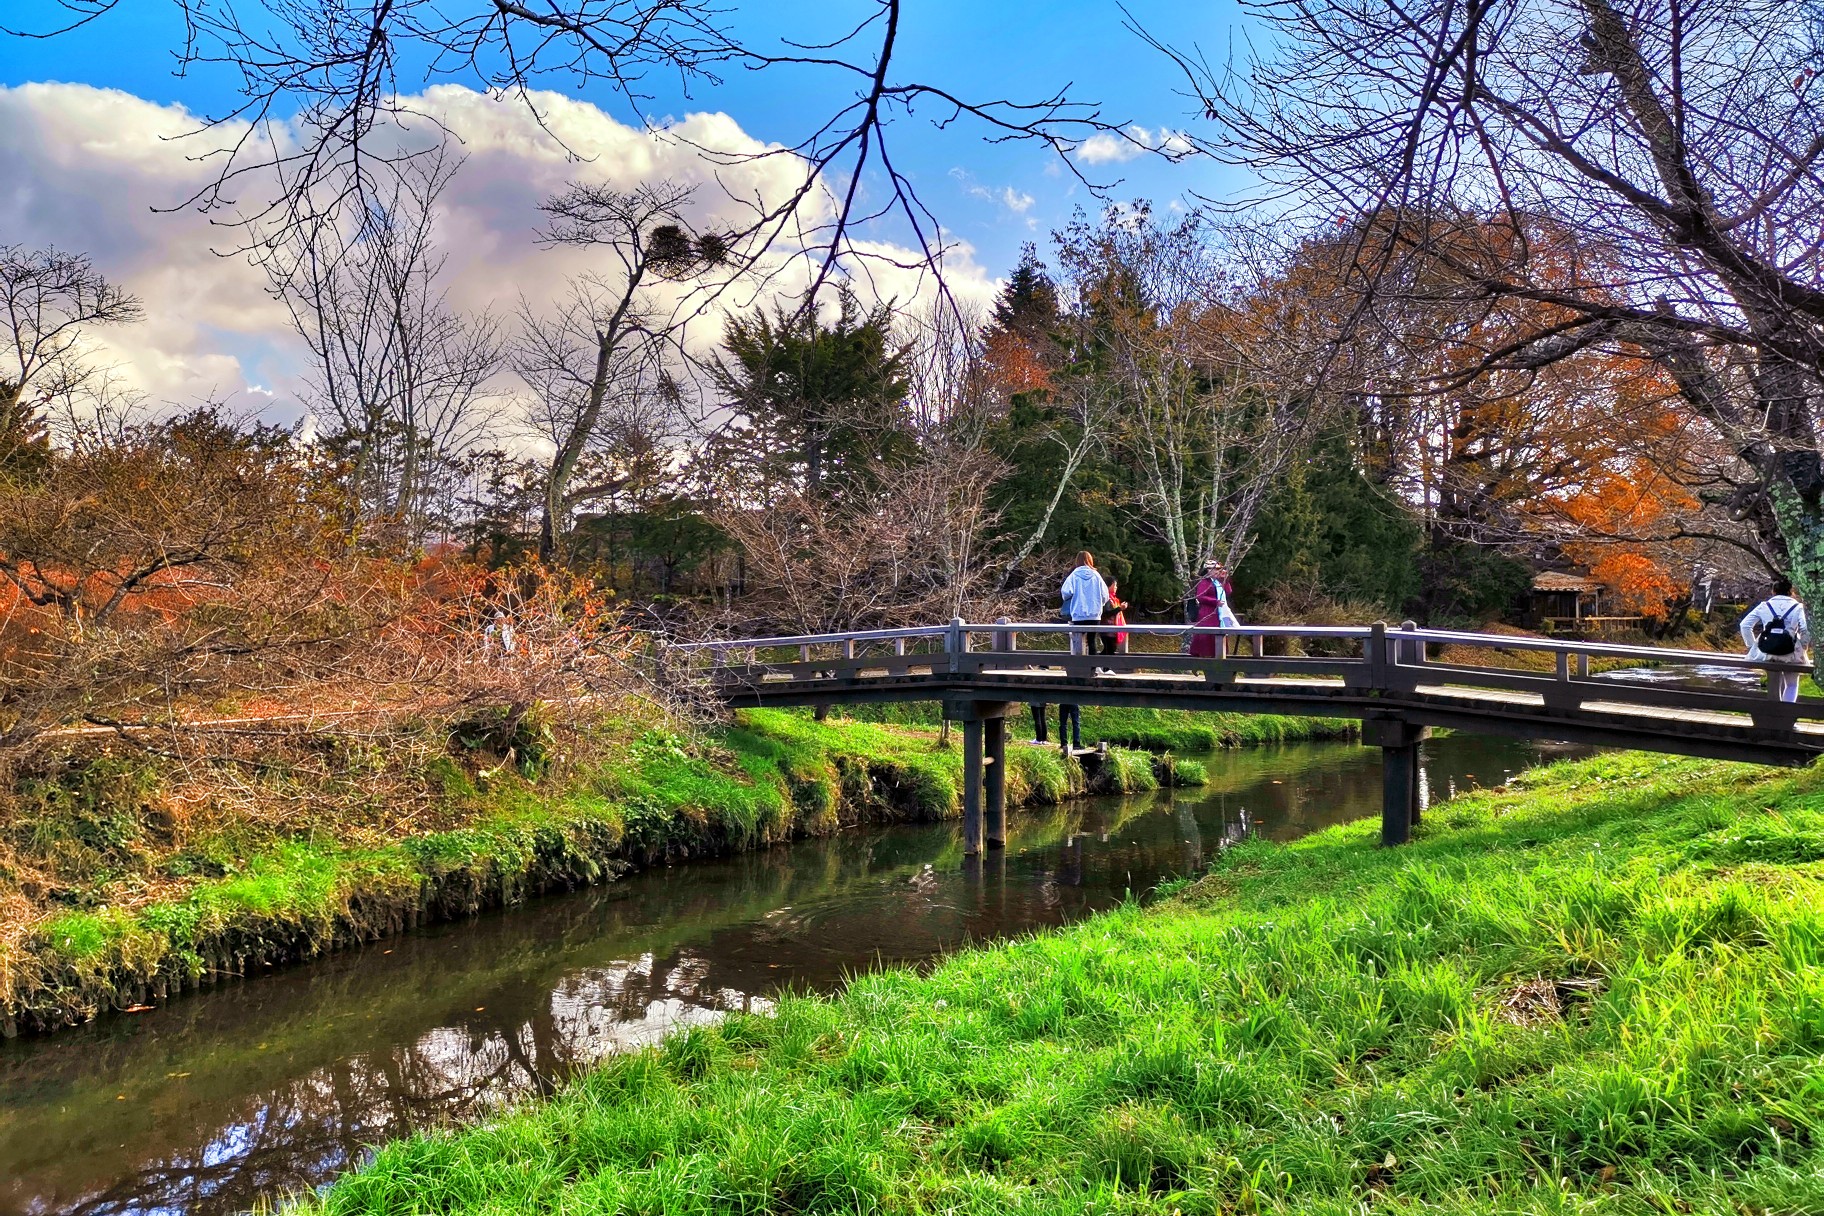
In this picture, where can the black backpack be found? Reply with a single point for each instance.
(1776, 637)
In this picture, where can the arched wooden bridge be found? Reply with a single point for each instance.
(1379, 675)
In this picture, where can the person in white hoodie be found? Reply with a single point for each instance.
(1776, 631)
(1085, 595)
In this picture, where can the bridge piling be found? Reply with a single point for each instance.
(972, 786)
(995, 781)
(1399, 742)
(984, 771)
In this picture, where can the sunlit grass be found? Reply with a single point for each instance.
(1602, 990)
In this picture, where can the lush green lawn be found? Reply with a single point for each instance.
(1601, 991)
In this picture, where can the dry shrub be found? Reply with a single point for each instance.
(1305, 603)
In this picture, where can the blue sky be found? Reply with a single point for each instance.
(994, 196)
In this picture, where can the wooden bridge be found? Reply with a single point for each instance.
(1380, 675)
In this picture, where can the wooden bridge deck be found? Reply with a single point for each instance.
(1379, 675)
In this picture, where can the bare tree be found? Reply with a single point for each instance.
(947, 384)
(398, 376)
(48, 300)
(1205, 394)
(599, 369)
(920, 549)
(1678, 140)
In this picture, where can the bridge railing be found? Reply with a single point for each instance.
(1363, 659)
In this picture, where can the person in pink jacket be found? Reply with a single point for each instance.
(1212, 596)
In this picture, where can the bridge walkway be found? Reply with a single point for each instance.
(1389, 679)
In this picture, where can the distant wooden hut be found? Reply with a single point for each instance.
(1569, 601)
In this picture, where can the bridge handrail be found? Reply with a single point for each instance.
(1492, 641)
(814, 639)
(1271, 631)
(1596, 650)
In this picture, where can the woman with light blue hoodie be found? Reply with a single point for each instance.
(1085, 595)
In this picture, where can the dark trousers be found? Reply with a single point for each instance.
(1070, 726)
(1038, 723)
(1107, 642)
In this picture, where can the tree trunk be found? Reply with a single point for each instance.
(563, 461)
(1801, 522)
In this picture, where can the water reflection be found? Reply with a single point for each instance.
(222, 1100)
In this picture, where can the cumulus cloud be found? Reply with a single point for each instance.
(1110, 147)
(98, 170)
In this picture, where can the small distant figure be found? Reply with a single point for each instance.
(1070, 727)
(1212, 597)
(499, 633)
(1084, 595)
(1776, 630)
(1113, 613)
(1039, 716)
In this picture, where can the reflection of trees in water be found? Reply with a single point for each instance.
(295, 1135)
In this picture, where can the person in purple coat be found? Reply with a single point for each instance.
(1212, 596)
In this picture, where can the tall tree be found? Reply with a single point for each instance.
(1210, 406)
(821, 403)
(1683, 138)
(598, 367)
(398, 377)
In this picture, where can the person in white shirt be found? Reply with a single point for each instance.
(1084, 595)
(1789, 614)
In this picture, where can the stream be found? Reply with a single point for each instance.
(240, 1095)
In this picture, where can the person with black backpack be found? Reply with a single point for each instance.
(1776, 631)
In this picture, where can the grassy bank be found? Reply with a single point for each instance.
(126, 880)
(1600, 990)
(1153, 730)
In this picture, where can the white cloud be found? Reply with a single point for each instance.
(1016, 201)
(90, 169)
(1109, 147)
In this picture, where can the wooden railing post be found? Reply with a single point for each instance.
(1374, 653)
(1412, 651)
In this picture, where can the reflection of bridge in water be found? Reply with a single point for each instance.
(1382, 676)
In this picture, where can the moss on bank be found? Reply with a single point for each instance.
(1153, 730)
(1599, 990)
(131, 910)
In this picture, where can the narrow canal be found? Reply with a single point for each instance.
(238, 1096)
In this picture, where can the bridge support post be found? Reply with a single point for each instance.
(984, 771)
(972, 787)
(1399, 742)
(995, 781)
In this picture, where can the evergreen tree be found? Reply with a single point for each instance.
(824, 402)
(1329, 529)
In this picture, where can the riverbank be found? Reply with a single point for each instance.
(1601, 987)
(126, 880)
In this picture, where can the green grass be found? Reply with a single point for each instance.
(1182, 772)
(1155, 730)
(1601, 991)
